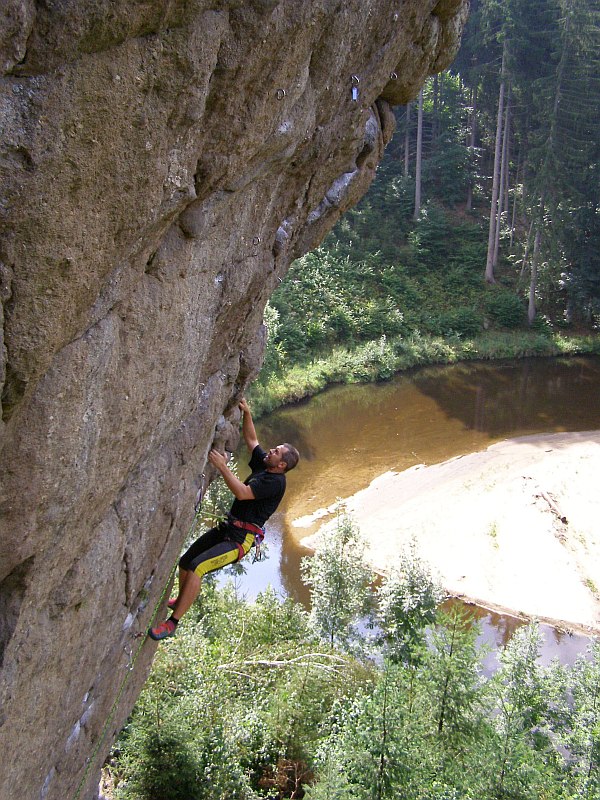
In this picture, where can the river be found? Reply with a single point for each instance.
(348, 435)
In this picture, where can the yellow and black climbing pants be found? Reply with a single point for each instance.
(216, 548)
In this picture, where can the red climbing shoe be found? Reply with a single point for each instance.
(162, 631)
(172, 602)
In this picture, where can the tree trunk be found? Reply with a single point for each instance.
(489, 266)
(507, 126)
(407, 142)
(534, 274)
(514, 208)
(471, 145)
(545, 170)
(526, 251)
(419, 156)
(436, 107)
(501, 194)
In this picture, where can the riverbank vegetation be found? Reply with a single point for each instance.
(267, 700)
(480, 236)
(380, 359)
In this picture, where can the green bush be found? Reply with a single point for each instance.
(159, 762)
(445, 173)
(505, 308)
(432, 238)
(461, 322)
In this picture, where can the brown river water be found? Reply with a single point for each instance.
(348, 435)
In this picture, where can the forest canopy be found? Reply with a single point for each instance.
(485, 212)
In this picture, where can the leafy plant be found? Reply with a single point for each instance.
(505, 308)
(407, 603)
(339, 582)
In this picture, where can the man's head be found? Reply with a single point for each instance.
(282, 458)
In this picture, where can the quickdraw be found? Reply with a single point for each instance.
(259, 554)
(200, 495)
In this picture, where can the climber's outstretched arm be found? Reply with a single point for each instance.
(248, 431)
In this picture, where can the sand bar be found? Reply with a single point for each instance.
(515, 527)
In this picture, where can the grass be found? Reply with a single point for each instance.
(493, 534)
(381, 359)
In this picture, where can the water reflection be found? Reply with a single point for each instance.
(533, 395)
(348, 435)
(498, 629)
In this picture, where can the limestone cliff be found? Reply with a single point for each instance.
(162, 163)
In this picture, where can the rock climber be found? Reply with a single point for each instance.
(255, 500)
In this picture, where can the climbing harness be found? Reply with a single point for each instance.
(259, 535)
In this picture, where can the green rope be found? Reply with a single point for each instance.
(115, 705)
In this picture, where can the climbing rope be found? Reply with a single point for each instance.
(130, 667)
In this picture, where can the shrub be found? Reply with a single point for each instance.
(461, 322)
(505, 308)
(339, 582)
(406, 604)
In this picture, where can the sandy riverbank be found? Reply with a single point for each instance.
(515, 527)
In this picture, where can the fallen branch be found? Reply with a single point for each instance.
(553, 507)
(539, 492)
(310, 658)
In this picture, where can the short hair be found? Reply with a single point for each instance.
(290, 456)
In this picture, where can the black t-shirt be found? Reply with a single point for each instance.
(268, 489)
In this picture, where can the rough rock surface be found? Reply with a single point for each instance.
(161, 165)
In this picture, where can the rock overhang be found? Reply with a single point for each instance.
(162, 165)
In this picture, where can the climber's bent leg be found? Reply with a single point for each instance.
(212, 551)
(187, 595)
(182, 577)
